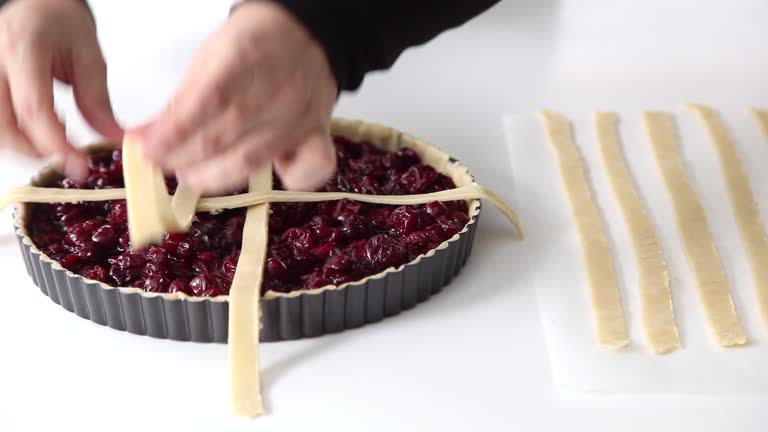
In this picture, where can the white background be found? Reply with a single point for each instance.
(471, 358)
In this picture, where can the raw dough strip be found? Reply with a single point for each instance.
(151, 212)
(35, 194)
(473, 191)
(762, 119)
(743, 201)
(609, 322)
(703, 257)
(184, 206)
(244, 312)
(658, 319)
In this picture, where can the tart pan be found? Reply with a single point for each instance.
(295, 315)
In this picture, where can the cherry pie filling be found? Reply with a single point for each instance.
(311, 245)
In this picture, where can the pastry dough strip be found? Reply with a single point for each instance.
(151, 212)
(658, 320)
(244, 313)
(703, 257)
(608, 316)
(743, 201)
(473, 191)
(762, 119)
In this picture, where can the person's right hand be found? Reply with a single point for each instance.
(41, 40)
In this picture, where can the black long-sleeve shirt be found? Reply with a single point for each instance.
(360, 36)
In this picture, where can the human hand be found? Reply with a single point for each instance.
(259, 89)
(41, 40)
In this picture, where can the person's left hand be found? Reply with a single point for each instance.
(260, 89)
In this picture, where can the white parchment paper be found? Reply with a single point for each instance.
(554, 252)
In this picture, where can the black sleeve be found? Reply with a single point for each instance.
(360, 36)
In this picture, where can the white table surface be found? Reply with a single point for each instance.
(472, 357)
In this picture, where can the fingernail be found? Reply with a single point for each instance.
(76, 167)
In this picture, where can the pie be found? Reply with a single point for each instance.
(330, 265)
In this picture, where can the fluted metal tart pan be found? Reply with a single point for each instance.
(295, 315)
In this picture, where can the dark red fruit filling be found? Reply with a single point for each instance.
(310, 244)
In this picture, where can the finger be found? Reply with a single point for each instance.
(10, 135)
(230, 169)
(309, 165)
(31, 85)
(216, 137)
(207, 92)
(89, 83)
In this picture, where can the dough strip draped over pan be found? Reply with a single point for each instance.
(472, 191)
(244, 309)
(151, 212)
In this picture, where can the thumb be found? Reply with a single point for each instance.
(309, 165)
(89, 82)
